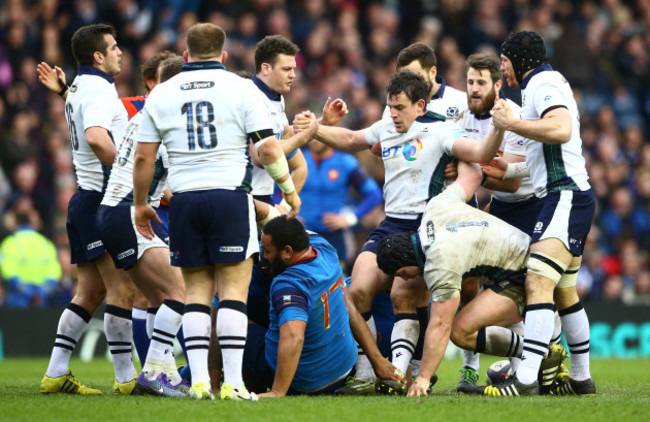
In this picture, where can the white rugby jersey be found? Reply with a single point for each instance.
(120, 183)
(460, 241)
(448, 102)
(414, 161)
(476, 127)
(92, 102)
(204, 116)
(263, 183)
(560, 166)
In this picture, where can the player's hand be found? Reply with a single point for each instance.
(269, 395)
(302, 121)
(496, 168)
(294, 200)
(418, 388)
(334, 221)
(501, 114)
(387, 371)
(333, 111)
(451, 171)
(143, 216)
(49, 77)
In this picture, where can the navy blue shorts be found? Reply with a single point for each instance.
(211, 227)
(522, 214)
(123, 243)
(566, 215)
(85, 240)
(390, 225)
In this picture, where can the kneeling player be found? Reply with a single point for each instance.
(454, 242)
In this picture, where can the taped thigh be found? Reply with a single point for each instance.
(546, 266)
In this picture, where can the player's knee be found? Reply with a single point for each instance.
(460, 336)
(404, 300)
(90, 298)
(361, 297)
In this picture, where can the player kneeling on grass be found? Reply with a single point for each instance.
(456, 241)
(309, 347)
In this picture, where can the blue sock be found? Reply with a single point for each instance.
(140, 337)
(186, 374)
(181, 339)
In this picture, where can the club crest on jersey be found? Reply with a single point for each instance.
(197, 85)
(452, 112)
(333, 175)
(538, 227)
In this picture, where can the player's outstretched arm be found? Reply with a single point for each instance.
(292, 338)
(435, 343)
(52, 79)
(335, 137)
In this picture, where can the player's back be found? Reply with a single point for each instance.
(203, 116)
(466, 241)
(92, 102)
(329, 351)
(120, 182)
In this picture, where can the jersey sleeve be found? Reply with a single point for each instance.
(450, 133)
(372, 133)
(549, 96)
(148, 132)
(99, 109)
(257, 116)
(443, 284)
(290, 302)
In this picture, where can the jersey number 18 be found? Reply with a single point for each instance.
(204, 112)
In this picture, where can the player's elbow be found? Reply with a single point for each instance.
(269, 151)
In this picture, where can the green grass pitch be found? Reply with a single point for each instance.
(623, 395)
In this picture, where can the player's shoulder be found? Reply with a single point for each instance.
(91, 85)
(454, 93)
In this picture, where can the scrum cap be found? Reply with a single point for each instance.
(526, 51)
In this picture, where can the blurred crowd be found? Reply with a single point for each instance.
(348, 50)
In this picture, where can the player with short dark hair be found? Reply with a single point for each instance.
(95, 117)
